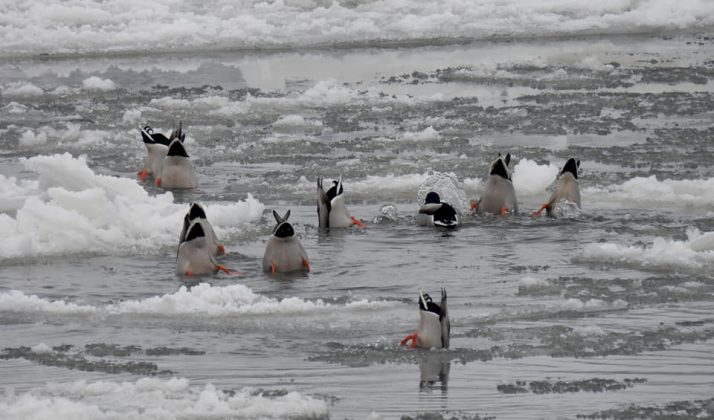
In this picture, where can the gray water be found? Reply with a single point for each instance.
(542, 326)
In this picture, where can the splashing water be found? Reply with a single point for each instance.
(566, 209)
(388, 213)
(448, 187)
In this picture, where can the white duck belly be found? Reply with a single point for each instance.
(157, 153)
(177, 172)
(195, 257)
(339, 216)
(498, 194)
(567, 188)
(287, 254)
(429, 330)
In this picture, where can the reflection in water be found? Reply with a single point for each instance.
(434, 373)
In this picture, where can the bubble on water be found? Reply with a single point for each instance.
(447, 185)
(388, 213)
(566, 209)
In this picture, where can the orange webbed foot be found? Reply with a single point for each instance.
(224, 269)
(504, 211)
(411, 337)
(273, 268)
(538, 212)
(158, 182)
(142, 174)
(221, 249)
(189, 273)
(306, 264)
(357, 222)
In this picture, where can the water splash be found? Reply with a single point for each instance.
(447, 185)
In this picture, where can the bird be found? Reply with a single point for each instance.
(566, 188)
(434, 212)
(195, 256)
(157, 145)
(331, 208)
(177, 170)
(197, 212)
(499, 196)
(284, 252)
(434, 328)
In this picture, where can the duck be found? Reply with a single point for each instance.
(434, 212)
(499, 195)
(177, 169)
(434, 329)
(284, 253)
(331, 208)
(566, 188)
(157, 146)
(195, 257)
(197, 212)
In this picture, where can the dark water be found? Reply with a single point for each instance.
(607, 312)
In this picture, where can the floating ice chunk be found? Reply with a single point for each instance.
(41, 348)
(13, 194)
(14, 107)
(327, 92)
(641, 192)
(96, 83)
(290, 121)
(30, 138)
(203, 298)
(170, 103)
(530, 178)
(131, 115)
(22, 89)
(388, 182)
(589, 330)
(532, 283)
(425, 135)
(16, 301)
(72, 209)
(228, 300)
(153, 398)
(473, 186)
(664, 254)
(134, 26)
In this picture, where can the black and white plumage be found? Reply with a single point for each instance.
(331, 207)
(434, 329)
(284, 252)
(157, 146)
(434, 212)
(197, 212)
(566, 188)
(177, 170)
(499, 195)
(194, 254)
